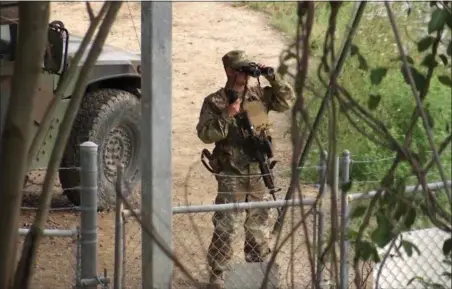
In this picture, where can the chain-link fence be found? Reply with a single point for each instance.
(400, 270)
(67, 254)
(192, 236)
(411, 260)
(56, 260)
(424, 264)
(71, 257)
(193, 229)
(58, 256)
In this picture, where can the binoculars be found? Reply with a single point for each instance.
(253, 70)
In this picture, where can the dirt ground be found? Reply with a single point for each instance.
(202, 33)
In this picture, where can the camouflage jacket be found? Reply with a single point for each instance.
(214, 125)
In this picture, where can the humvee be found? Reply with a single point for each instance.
(109, 114)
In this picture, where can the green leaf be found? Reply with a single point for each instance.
(400, 211)
(400, 185)
(421, 147)
(382, 235)
(362, 63)
(449, 20)
(445, 79)
(314, 44)
(410, 217)
(351, 234)
(377, 75)
(415, 279)
(358, 211)
(354, 50)
(447, 127)
(346, 187)
(430, 119)
(373, 101)
(443, 59)
(408, 246)
(388, 180)
(408, 59)
(429, 61)
(419, 79)
(447, 246)
(424, 43)
(437, 21)
(436, 286)
(375, 256)
(449, 48)
(366, 250)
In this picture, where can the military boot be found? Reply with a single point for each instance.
(256, 256)
(216, 280)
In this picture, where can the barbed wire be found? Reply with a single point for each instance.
(353, 161)
(374, 160)
(263, 175)
(61, 168)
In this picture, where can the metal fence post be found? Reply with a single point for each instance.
(124, 247)
(77, 259)
(344, 222)
(322, 182)
(88, 206)
(119, 243)
(334, 185)
(156, 183)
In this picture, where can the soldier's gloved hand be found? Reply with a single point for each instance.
(262, 67)
(234, 108)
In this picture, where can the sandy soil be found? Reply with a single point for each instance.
(202, 33)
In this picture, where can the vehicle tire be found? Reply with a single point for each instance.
(111, 119)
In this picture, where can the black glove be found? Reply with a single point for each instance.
(231, 95)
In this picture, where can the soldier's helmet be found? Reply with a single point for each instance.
(235, 59)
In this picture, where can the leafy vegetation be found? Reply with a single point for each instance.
(393, 96)
(373, 76)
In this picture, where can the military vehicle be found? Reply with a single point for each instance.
(109, 114)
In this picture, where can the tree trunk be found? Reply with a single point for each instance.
(26, 264)
(16, 136)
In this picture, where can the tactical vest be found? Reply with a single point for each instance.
(230, 151)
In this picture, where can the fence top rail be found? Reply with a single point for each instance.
(52, 232)
(233, 206)
(409, 189)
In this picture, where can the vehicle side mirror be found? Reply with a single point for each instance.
(55, 56)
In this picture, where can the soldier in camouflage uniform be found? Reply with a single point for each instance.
(217, 125)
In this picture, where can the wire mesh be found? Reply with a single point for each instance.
(396, 268)
(426, 261)
(192, 236)
(56, 262)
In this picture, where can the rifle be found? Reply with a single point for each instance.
(259, 148)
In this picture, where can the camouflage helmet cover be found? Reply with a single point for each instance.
(235, 59)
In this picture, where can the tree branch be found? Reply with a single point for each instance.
(417, 98)
(27, 260)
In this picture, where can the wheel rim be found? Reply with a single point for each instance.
(119, 142)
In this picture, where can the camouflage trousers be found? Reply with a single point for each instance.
(232, 189)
